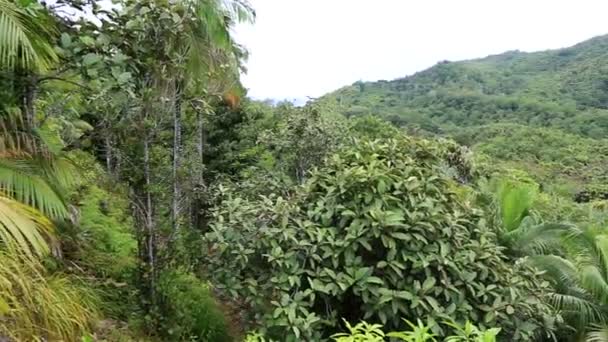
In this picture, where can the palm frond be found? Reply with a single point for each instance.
(240, 10)
(211, 49)
(24, 39)
(210, 33)
(601, 244)
(22, 181)
(580, 281)
(592, 279)
(531, 238)
(18, 144)
(562, 271)
(49, 138)
(576, 310)
(60, 172)
(600, 334)
(515, 201)
(24, 230)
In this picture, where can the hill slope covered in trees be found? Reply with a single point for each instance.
(545, 112)
(566, 88)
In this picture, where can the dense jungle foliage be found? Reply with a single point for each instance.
(144, 197)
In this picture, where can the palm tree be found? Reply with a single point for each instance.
(33, 176)
(580, 279)
(574, 259)
(208, 57)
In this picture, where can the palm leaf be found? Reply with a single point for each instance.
(61, 172)
(577, 310)
(24, 39)
(24, 229)
(515, 202)
(19, 144)
(580, 281)
(601, 245)
(531, 238)
(19, 179)
(592, 279)
(211, 52)
(240, 10)
(600, 334)
(562, 271)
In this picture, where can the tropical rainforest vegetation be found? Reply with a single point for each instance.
(144, 197)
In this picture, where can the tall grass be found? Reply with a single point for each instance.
(39, 307)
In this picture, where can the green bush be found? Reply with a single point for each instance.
(371, 127)
(377, 234)
(190, 312)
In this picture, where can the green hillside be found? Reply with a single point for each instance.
(543, 112)
(566, 89)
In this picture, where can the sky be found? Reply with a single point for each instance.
(306, 48)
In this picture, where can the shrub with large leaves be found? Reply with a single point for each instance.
(377, 234)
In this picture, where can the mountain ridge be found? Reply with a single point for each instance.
(563, 88)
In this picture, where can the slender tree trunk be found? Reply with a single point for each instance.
(29, 88)
(177, 132)
(300, 171)
(108, 152)
(198, 205)
(149, 220)
(117, 164)
(200, 147)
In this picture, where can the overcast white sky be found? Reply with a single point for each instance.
(302, 48)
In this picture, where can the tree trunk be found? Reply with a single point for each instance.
(108, 152)
(28, 98)
(149, 220)
(300, 171)
(200, 147)
(177, 132)
(198, 204)
(117, 164)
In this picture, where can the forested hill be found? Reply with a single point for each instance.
(565, 88)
